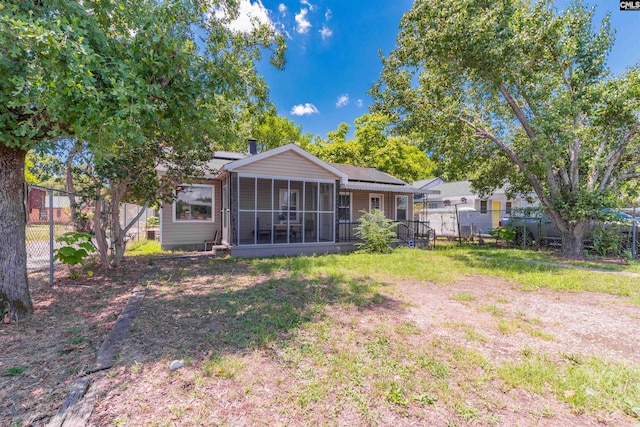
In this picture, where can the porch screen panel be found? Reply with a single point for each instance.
(265, 198)
(247, 227)
(325, 227)
(247, 193)
(310, 196)
(278, 186)
(295, 196)
(326, 197)
(264, 227)
(310, 230)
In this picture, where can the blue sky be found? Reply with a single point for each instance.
(332, 55)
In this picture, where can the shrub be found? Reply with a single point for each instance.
(375, 231)
(606, 241)
(78, 246)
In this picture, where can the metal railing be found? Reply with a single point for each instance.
(406, 232)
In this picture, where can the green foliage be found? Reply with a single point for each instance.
(506, 233)
(517, 94)
(78, 247)
(272, 131)
(374, 147)
(153, 221)
(606, 241)
(145, 247)
(14, 371)
(376, 232)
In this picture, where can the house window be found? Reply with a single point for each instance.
(507, 208)
(483, 206)
(432, 205)
(289, 203)
(59, 213)
(402, 206)
(42, 215)
(344, 207)
(193, 203)
(375, 202)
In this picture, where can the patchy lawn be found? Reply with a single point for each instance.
(449, 337)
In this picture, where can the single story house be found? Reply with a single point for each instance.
(283, 201)
(457, 202)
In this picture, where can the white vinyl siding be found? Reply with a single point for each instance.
(288, 164)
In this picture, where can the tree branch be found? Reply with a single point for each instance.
(486, 134)
(518, 112)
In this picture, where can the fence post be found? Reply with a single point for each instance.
(634, 228)
(50, 236)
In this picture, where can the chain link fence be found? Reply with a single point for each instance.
(49, 216)
(616, 236)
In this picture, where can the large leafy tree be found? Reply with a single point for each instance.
(372, 146)
(517, 92)
(139, 83)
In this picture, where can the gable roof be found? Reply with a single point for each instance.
(428, 183)
(282, 149)
(459, 189)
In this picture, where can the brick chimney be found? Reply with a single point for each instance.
(253, 146)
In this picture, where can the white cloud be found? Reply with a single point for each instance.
(325, 32)
(282, 9)
(359, 103)
(309, 5)
(302, 22)
(327, 14)
(304, 110)
(249, 14)
(342, 100)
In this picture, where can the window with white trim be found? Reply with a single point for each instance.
(193, 203)
(376, 201)
(507, 208)
(483, 206)
(344, 207)
(402, 207)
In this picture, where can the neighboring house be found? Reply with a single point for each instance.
(40, 208)
(425, 184)
(283, 201)
(476, 215)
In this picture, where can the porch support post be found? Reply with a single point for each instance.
(233, 206)
(336, 222)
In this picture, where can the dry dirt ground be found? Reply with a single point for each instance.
(203, 311)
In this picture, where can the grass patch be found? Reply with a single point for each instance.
(493, 309)
(145, 247)
(511, 326)
(588, 383)
(463, 297)
(14, 371)
(446, 264)
(223, 366)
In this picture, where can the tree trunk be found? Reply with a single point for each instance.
(119, 242)
(573, 240)
(101, 238)
(14, 286)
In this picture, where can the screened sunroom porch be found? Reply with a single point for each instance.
(280, 211)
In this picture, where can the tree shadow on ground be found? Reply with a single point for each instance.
(229, 307)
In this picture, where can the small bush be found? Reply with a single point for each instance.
(376, 231)
(606, 242)
(78, 247)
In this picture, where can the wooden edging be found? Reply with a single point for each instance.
(79, 403)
